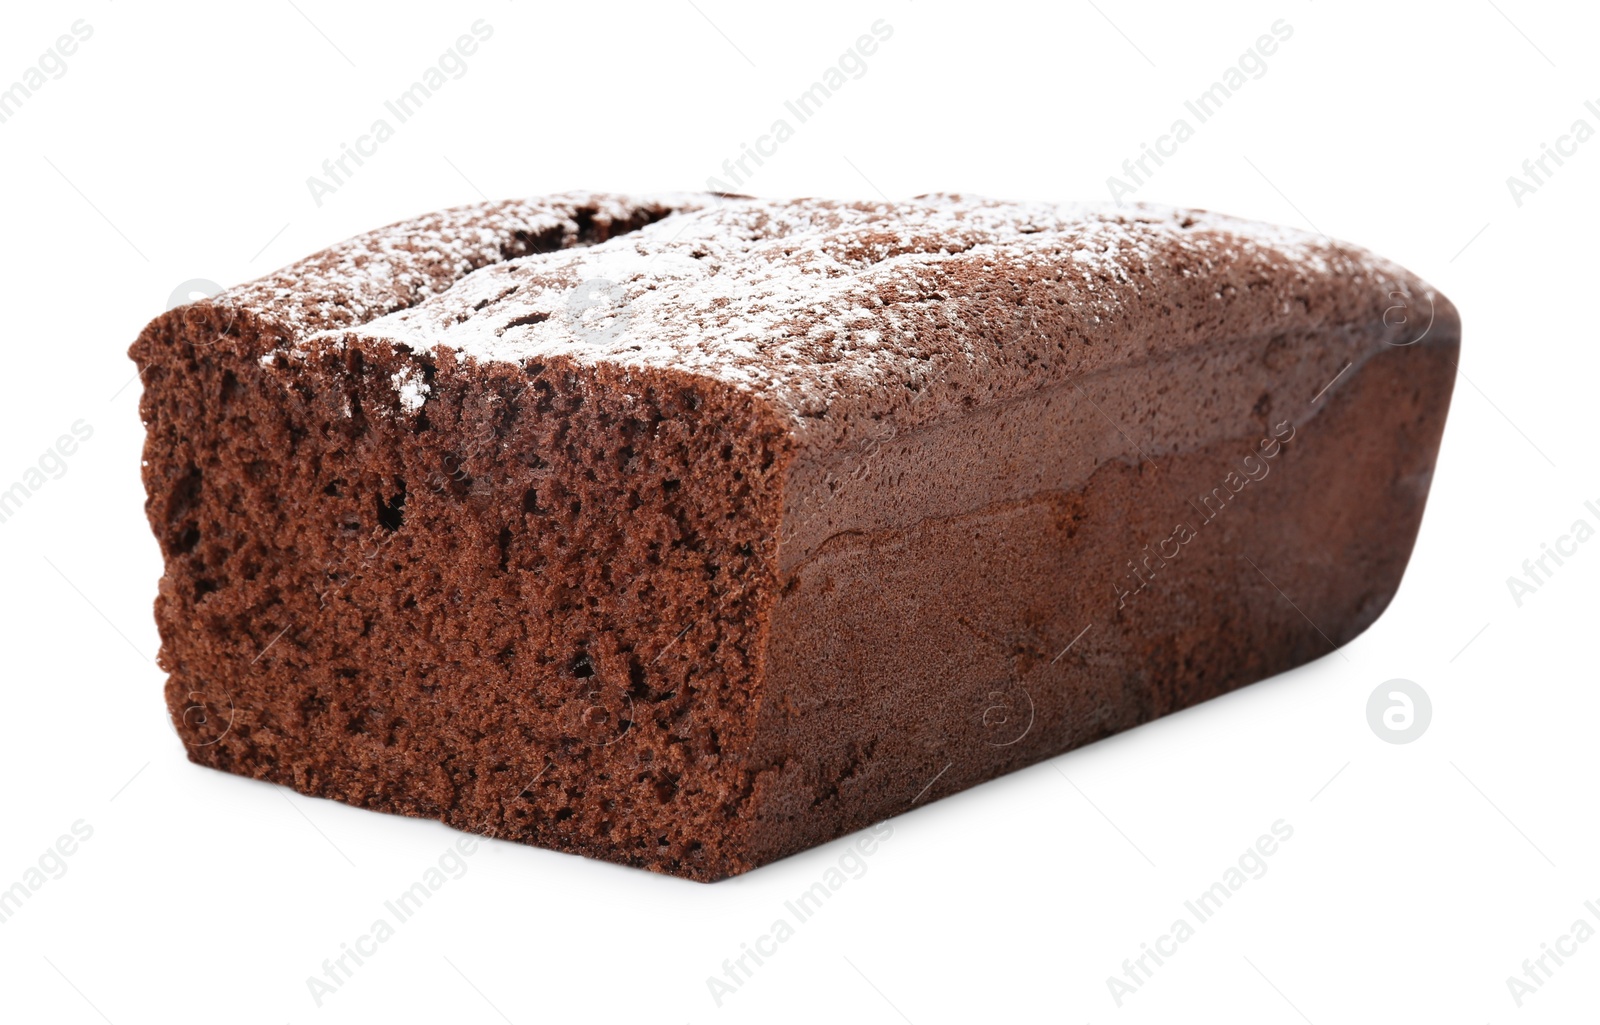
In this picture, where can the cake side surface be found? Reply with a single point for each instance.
(928, 646)
(968, 594)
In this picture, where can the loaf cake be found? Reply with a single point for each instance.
(690, 531)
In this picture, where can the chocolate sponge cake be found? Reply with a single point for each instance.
(688, 531)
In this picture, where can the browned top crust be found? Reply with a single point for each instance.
(838, 314)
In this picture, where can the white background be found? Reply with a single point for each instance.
(1419, 876)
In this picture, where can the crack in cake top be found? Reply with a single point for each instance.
(393, 268)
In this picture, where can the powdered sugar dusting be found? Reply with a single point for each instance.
(807, 300)
(837, 313)
(411, 388)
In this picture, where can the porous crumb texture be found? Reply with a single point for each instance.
(688, 531)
